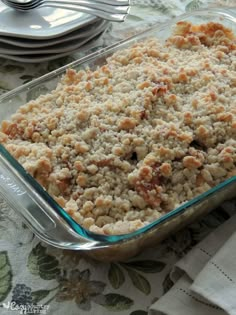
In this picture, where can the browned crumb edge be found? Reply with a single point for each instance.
(120, 146)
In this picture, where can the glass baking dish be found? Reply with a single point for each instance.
(47, 219)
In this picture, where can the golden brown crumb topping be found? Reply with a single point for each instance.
(120, 146)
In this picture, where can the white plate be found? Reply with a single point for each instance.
(7, 49)
(36, 43)
(44, 58)
(41, 23)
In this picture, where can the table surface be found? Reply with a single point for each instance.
(64, 282)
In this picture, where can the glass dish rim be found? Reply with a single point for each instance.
(80, 230)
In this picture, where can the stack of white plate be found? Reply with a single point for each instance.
(45, 33)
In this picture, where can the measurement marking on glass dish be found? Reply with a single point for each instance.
(8, 181)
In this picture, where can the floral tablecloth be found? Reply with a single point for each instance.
(63, 282)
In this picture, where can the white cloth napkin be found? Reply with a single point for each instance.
(205, 279)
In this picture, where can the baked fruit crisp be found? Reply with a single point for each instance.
(154, 127)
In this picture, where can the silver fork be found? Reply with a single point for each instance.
(111, 2)
(99, 8)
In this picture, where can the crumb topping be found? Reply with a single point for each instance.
(119, 146)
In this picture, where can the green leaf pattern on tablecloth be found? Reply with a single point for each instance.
(116, 302)
(116, 276)
(193, 5)
(160, 5)
(26, 78)
(12, 68)
(139, 281)
(42, 264)
(147, 266)
(139, 312)
(39, 295)
(36, 272)
(5, 276)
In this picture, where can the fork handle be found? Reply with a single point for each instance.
(102, 14)
(92, 4)
(114, 2)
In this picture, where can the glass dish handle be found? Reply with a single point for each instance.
(43, 220)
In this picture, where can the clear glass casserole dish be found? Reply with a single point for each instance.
(47, 219)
